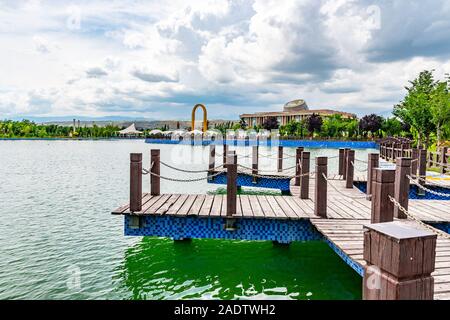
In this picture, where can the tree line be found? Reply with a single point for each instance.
(30, 129)
(337, 127)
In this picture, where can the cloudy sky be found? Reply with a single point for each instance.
(156, 59)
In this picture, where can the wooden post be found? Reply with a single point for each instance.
(280, 158)
(350, 169)
(422, 169)
(225, 152)
(155, 184)
(304, 180)
(298, 156)
(393, 152)
(344, 168)
(373, 161)
(402, 150)
(430, 159)
(231, 184)
(135, 182)
(255, 159)
(212, 158)
(401, 188)
(414, 162)
(320, 194)
(382, 188)
(399, 262)
(443, 159)
(341, 161)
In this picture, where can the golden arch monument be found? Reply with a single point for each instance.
(205, 117)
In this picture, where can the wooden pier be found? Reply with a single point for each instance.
(337, 210)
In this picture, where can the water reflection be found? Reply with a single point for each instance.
(158, 268)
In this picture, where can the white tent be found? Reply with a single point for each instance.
(156, 131)
(196, 132)
(130, 131)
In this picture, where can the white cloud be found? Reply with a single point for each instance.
(156, 59)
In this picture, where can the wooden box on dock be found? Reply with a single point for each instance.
(383, 286)
(399, 249)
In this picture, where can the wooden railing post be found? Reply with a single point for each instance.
(155, 184)
(135, 182)
(341, 161)
(373, 161)
(304, 179)
(401, 188)
(393, 152)
(382, 188)
(344, 168)
(224, 154)
(280, 158)
(320, 194)
(350, 169)
(298, 156)
(212, 158)
(422, 169)
(430, 159)
(414, 161)
(255, 159)
(443, 159)
(231, 184)
(399, 262)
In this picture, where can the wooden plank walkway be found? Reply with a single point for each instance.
(248, 206)
(344, 226)
(347, 235)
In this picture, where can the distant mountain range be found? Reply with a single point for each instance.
(141, 123)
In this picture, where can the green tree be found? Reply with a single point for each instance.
(415, 109)
(392, 127)
(440, 108)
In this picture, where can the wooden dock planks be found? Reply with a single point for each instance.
(344, 226)
(347, 235)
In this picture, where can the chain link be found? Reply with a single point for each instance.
(185, 180)
(190, 171)
(276, 177)
(409, 215)
(249, 168)
(426, 189)
(359, 170)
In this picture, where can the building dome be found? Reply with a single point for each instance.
(295, 105)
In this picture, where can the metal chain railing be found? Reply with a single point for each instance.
(433, 183)
(427, 189)
(359, 170)
(147, 171)
(340, 192)
(409, 215)
(190, 171)
(259, 170)
(279, 177)
(183, 180)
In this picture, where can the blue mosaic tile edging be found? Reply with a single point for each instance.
(283, 231)
(359, 269)
(285, 143)
(244, 180)
(444, 226)
(413, 191)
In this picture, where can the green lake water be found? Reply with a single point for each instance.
(58, 239)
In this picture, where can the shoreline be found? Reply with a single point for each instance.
(285, 143)
(66, 139)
